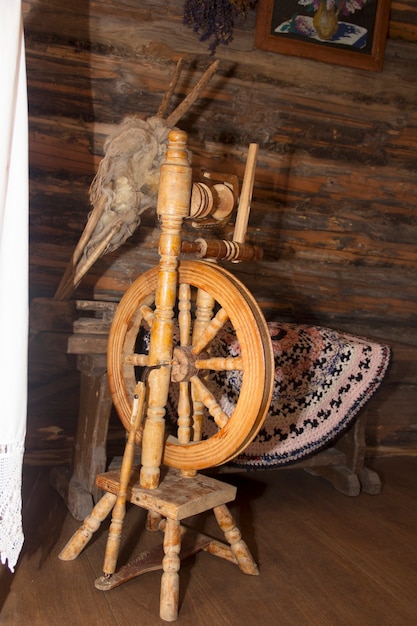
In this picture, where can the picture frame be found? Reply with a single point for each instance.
(353, 34)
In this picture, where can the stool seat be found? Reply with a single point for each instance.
(176, 497)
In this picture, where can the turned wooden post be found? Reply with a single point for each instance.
(184, 319)
(170, 582)
(238, 546)
(90, 525)
(173, 206)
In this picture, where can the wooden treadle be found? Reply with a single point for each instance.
(151, 560)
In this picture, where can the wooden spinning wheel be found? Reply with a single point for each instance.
(171, 323)
(209, 297)
(185, 306)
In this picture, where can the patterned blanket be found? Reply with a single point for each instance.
(322, 379)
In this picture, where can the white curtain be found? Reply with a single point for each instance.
(13, 276)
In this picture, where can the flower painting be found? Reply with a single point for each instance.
(324, 20)
(345, 32)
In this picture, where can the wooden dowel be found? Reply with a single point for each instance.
(119, 510)
(222, 250)
(97, 253)
(168, 95)
(92, 222)
(242, 217)
(81, 270)
(187, 103)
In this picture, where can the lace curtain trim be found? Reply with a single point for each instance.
(11, 531)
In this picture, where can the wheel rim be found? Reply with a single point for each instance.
(256, 365)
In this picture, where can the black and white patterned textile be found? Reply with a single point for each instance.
(322, 379)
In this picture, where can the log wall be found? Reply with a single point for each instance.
(335, 192)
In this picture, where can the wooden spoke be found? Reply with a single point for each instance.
(140, 360)
(148, 314)
(208, 297)
(203, 314)
(184, 413)
(207, 398)
(210, 331)
(218, 364)
(198, 415)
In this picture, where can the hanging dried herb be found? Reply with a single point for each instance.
(214, 20)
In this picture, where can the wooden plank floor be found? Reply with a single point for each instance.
(325, 559)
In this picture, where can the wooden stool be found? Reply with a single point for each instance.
(176, 498)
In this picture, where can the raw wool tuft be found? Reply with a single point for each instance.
(128, 177)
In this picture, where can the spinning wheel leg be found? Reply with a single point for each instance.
(90, 525)
(153, 521)
(170, 582)
(239, 548)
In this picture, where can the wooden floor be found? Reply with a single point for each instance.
(325, 559)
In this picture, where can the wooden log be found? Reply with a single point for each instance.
(403, 20)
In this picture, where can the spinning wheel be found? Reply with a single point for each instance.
(185, 307)
(171, 323)
(209, 297)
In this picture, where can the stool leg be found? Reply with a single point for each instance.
(170, 578)
(238, 546)
(153, 521)
(91, 523)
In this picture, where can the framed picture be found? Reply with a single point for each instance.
(344, 32)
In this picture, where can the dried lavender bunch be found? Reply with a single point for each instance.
(214, 19)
